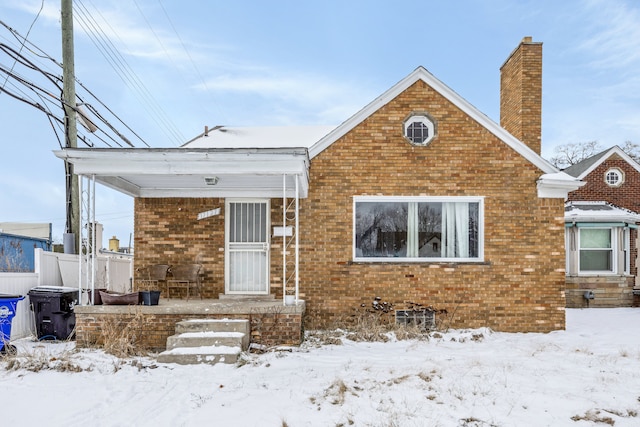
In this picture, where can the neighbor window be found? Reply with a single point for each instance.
(614, 177)
(596, 249)
(418, 228)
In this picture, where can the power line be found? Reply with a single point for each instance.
(184, 47)
(27, 36)
(122, 68)
(56, 81)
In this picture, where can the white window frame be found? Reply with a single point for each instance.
(426, 121)
(617, 172)
(614, 252)
(626, 236)
(421, 199)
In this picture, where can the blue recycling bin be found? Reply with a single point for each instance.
(8, 304)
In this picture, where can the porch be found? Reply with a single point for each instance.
(272, 322)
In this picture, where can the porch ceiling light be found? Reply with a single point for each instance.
(211, 180)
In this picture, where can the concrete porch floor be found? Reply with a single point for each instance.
(226, 305)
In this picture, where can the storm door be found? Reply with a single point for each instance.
(247, 247)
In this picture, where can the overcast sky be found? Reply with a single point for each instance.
(173, 67)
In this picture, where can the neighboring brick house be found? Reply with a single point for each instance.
(417, 198)
(601, 221)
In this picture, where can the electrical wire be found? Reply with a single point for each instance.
(193, 63)
(27, 36)
(122, 68)
(36, 51)
(56, 81)
(113, 114)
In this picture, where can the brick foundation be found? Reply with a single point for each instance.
(608, 291)
(149, 326)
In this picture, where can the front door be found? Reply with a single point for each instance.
(247, 247)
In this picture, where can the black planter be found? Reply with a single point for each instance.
(150, 297)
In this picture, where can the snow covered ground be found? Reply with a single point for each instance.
(587, 375)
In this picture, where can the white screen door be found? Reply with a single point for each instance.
(247, 247)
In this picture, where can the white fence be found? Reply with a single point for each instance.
(114, 272)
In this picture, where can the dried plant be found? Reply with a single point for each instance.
(121, 337)
(38, 359)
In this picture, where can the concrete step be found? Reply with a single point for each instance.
(213, 325)
(197, 355)
(203, 339)
(207, 341)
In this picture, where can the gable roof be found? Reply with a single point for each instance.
(242, 157)
(586, 166)
(421, 73)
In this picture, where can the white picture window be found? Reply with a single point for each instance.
(418, 229)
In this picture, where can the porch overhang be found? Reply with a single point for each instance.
(598, 214)
(195, 172)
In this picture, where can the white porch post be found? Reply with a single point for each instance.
(287, 240)
(297, 238)
(86, 242)
(284, 238)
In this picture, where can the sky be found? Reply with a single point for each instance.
(167, 69)
(585, 376)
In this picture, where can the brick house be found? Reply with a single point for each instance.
(601, 221)
(417, 198)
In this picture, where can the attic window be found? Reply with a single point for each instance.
(419, 129)
(614, 177)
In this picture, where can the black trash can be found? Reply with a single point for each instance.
(53, 310)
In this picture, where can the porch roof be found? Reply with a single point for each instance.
(195, 172)
(597, 212)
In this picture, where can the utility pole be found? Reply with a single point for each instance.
(72, 230)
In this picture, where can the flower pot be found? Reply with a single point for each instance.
(289, 300)
(95, 296)
(150, 297)
(109, 298)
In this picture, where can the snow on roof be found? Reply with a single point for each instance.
(588, 211)
(259, 137)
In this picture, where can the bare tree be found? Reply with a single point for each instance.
(633, 150)
(570, 154)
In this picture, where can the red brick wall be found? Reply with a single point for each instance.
(625, 196)
(520, 285)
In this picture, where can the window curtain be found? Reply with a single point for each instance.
(412, 230)
(455, 230)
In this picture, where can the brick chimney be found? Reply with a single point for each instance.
(521, 93)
